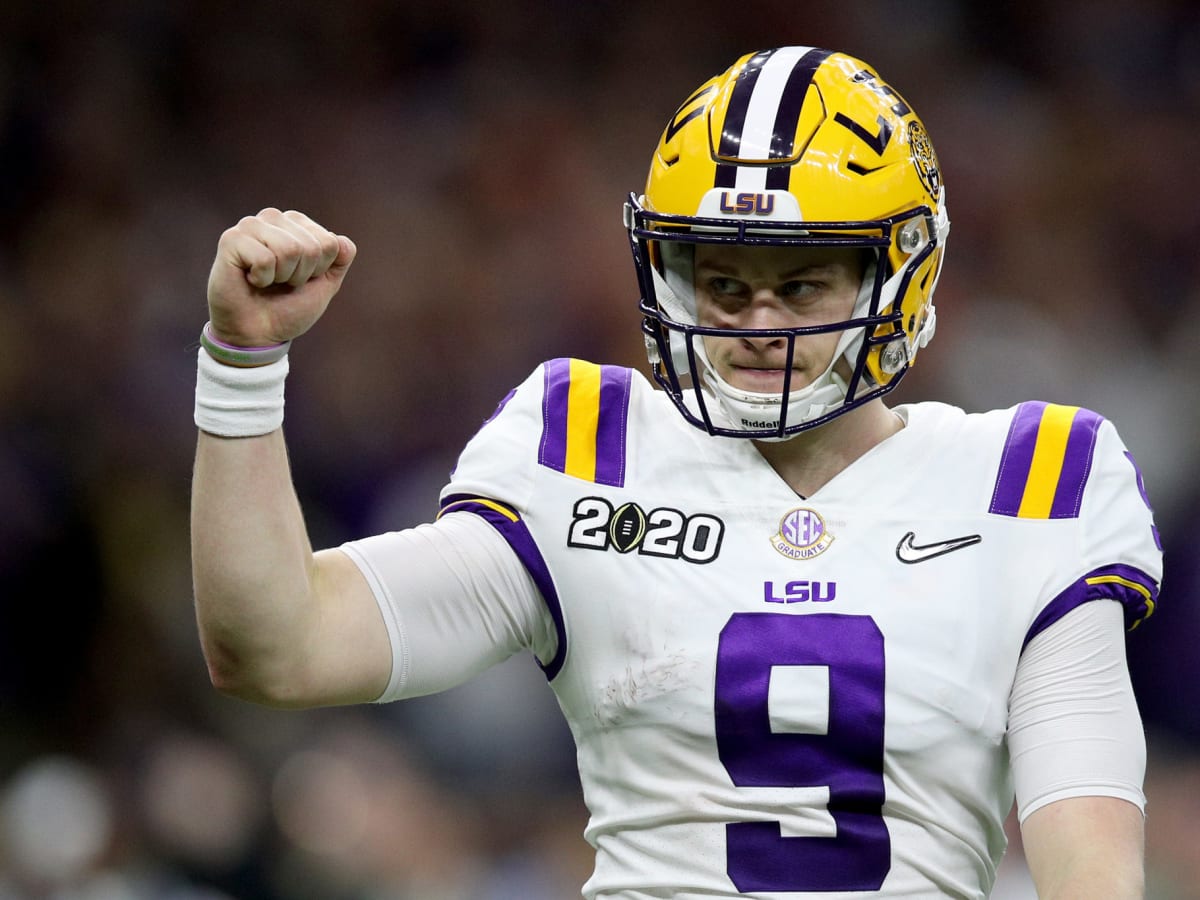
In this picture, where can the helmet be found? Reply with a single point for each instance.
(795, 146)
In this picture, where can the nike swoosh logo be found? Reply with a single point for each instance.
(908, 552)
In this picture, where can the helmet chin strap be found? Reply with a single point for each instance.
(751, 410)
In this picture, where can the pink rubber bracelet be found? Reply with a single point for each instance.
(242, 357)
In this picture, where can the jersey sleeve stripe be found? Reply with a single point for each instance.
(1046, 461)
(552, 452)
(1016, 459)
(1142, 598)
(453, 505)
(1136, 591)
(1077, 464)
(612, 428)
(1049, 451)
(584, 417)
(517, 534)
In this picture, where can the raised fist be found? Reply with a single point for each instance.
(273, 277)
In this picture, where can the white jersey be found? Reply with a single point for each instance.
(775, 696)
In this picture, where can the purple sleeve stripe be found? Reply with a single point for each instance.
(611, 429)
(516, 533)
(1076, 465)
(1046, 461)
(1136, 591)
(1016, 459)
(552, 452)
(585, 410)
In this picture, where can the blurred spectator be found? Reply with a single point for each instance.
(479, 155)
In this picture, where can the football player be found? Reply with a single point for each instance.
(808, 644)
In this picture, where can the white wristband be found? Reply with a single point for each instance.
(239, 402)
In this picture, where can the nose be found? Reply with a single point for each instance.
(765, 343)
(765, 311)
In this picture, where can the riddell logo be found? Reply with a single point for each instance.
(747, 203)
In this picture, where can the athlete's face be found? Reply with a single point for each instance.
(773, 287)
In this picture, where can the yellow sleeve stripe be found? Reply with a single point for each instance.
(1125, 582)
(583, 416)
(1049, 452)
(461, 502)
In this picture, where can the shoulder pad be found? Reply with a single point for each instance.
(569, 415)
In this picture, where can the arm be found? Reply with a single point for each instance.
(1078, 755)
(278, 624)
(1086, 847)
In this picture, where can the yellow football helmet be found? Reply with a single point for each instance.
(795, 146)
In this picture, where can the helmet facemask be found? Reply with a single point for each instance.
(791, 147)
(664, 253)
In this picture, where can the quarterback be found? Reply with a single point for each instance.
(809, 644)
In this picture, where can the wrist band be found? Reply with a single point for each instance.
(241, 357)
(239, 401)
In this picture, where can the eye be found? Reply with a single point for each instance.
(726, 294)
(798, 289)
(721, 286)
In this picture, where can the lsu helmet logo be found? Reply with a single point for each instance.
(747, 203)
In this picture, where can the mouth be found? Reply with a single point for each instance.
(763, 380)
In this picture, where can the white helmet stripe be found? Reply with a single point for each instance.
(772, 88)
(759, 127)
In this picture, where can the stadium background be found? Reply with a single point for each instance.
(478, 154)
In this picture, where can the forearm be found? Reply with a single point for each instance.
(1086, 847)
(1074, 729)
(253, 566)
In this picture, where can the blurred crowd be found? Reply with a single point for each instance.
(479, 154)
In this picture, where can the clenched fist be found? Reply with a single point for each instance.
(273, 277)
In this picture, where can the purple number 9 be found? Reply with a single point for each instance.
(848, 757)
